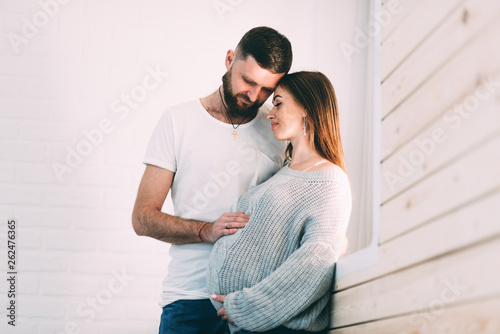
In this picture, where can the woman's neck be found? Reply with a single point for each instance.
(303, 154)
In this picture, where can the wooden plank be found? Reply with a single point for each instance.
(464, 23)
(458, 77)
(466, 125)
(457, 278)
(413, 30)
(404, 7)
(448, 189)
(478, 317)
(459, 229)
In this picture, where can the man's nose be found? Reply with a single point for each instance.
(253, 94)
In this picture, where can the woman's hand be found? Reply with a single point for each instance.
(222, 312)
(228, 223)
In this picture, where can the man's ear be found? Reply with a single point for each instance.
(230, 58)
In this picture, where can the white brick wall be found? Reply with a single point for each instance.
(75, 235)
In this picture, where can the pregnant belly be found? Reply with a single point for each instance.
(235, 265)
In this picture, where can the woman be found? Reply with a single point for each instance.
(276, 272)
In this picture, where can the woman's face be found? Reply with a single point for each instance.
(287, 117)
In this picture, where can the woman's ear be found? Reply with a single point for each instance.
(229, 59)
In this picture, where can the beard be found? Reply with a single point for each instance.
(231, 99)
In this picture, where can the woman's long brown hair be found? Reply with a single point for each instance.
(314, 92)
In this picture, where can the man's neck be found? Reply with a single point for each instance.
(214, 106)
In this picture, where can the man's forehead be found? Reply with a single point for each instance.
(249, 69)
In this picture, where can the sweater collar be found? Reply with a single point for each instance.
(316, 175)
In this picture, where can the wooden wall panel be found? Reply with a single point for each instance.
(464, 227)
(439, 228)
(460, 26)
(459, 277)
(421, 22)
(466, 179)
(478, 317)
(447, 86)
(405, 7)
(460, 129)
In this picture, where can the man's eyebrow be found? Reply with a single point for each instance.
(247, 79)
(250, 81)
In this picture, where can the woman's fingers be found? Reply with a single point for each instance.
(218, 298)
(222, 311)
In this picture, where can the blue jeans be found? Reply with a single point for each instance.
(191, 317)
(280, 330)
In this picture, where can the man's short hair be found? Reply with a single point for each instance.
(269, 48)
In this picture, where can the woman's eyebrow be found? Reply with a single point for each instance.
(275, 96)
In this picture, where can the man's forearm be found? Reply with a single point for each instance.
(165, 227)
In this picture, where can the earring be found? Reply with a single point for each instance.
(304, 126)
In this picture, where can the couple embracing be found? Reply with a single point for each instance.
(258, 254)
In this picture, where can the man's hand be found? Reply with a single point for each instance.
(222, 312)
(228, 223)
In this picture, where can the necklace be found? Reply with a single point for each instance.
(318, 163)
(234, 134)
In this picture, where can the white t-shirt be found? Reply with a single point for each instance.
(212, 171)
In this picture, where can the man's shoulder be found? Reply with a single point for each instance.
(187, 106)
(181, 112)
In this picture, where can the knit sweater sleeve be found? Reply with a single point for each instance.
(304, 277)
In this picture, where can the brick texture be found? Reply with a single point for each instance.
(70, 181)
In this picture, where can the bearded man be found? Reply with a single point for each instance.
(208, 153)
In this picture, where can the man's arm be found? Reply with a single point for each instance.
(148, 220)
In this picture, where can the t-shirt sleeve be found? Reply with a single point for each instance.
(161, 148)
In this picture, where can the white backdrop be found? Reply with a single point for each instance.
(82, 84)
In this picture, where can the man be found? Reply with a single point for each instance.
(209, 152)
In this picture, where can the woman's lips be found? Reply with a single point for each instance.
(273, 125)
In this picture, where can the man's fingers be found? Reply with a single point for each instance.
(235, 225)
(236, 214)
(241, 219)
(229, 231)
(236, 222)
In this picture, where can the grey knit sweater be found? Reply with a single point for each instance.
(279, 268)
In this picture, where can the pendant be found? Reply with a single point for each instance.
(234, 134)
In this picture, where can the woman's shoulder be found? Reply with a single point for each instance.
(327, 166)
